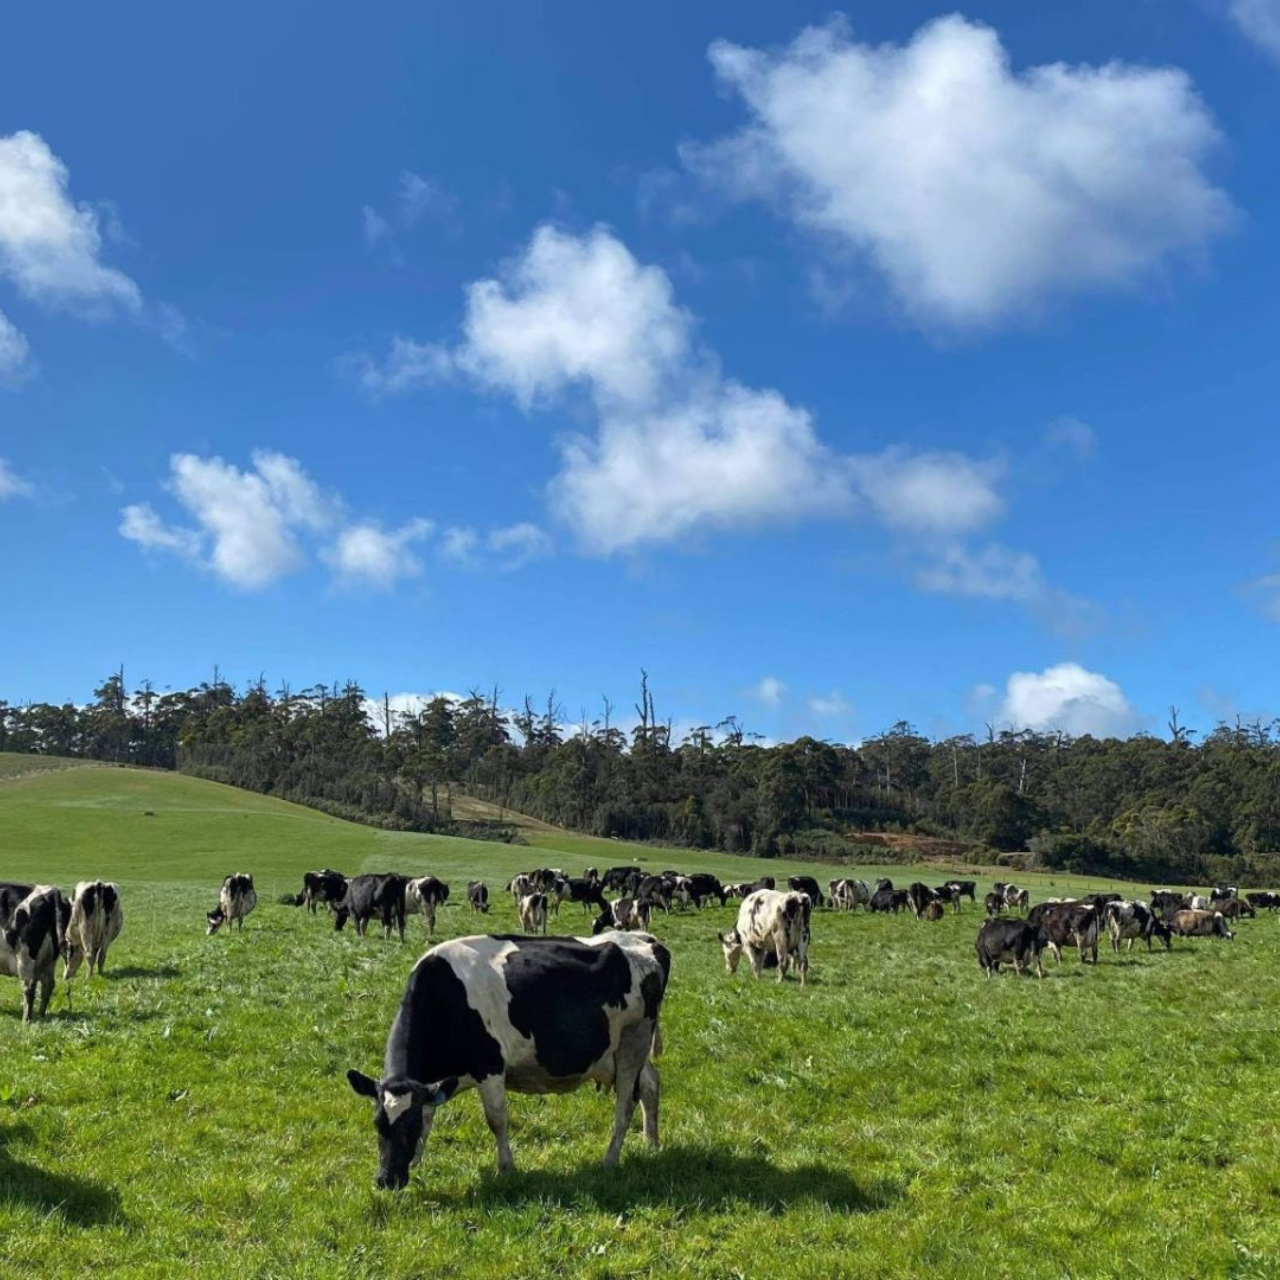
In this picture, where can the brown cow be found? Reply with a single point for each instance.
(1200, 924)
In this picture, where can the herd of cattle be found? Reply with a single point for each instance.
(536, 1014)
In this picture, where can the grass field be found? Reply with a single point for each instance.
(901, 1115)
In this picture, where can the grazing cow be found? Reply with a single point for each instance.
(1224, 892)
(236, 899)
(883, 883)
(765, 882)
(478, 896)
(425, 894)
(900, 900)
(655, 890)
(1013, 942)
(1068, 924)
(373, 895)
(965, 889)
(739, 890)
(530, 1015)
(993, 903)
(773, 929)
(1237, 908)
(1100, 900)
(96, 921)
(533, 913)
(33, 938)
(935, 910)
(322, 886)
(626, 913)
(591, 874)
(621, 879)
(1263, 901)
(919, 895)
(1200, 924)
(1127, 921)
(882, 900)
(808, 885)
(703, 885)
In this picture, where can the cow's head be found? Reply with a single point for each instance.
(402, 1119)
(1220, 926)
(216, 917)
(731, 943)
(602, 922)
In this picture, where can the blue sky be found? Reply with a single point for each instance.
(835, 369)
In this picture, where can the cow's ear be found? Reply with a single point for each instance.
(437, 1094)
(361, 1083)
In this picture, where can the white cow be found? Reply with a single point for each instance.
(96, 920)
(533, 913)
(33, 937)
(773, 929)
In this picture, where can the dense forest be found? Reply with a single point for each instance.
(1173, 808)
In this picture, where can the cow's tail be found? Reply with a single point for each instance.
(655, 1047)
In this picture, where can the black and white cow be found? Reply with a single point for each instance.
(588, 892)
(478, 896)
(621, 879)
(425, 894)
(1066, 924)
(322, 886)
(11, 894)
(236, 899)
(1013, 942)
(847, 893)
(33, 938)
(655, 890)
(1167, 901)
(883, 899)
(529, 1015)
(626, 913)
(773, 929)
(1016, 899)
(807, 885)
(96, 920)
(1224, 892)
(994, 904)
(533, 913)
(381, 895)
(919, 895)
(704, 886)
(1127, 921)
(966, 889)
(1263, 900)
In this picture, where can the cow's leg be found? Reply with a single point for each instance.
(649, 1083)
(757, 961)
(784, 957)
(633, 1053)
(493, 1097)
(1057, 953)
(74, 956)
(1039, 966)
(46, 990)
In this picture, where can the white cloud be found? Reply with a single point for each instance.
(50, 247)
(1073, 435)
(515, 545)
(365, 554)
(139, 523)
(404, 704)
(418, 196)
(377, 229)
(993, 572)
(13, 485)
(1069, 698)
(409, 366)
(15, 354)
(831, 706)
(1260, 21)
(770, 691)
(943, 493)
(247, 522)
(460, 545)
(977, 191)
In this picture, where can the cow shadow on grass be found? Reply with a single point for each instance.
(714, 1181)
(140, 971)
(76, 1200)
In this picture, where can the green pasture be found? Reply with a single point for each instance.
(902, 1115)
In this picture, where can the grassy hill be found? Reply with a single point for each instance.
(15, 764)
(900, 1115)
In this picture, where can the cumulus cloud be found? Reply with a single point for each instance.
(13, 485)
(139, 523)
(15, 354)
(368, 555)
(507, 548)
(50, 247)
(1069, 698)
(975, 190)
(991, 572)
(1260, 21)
(677, 447)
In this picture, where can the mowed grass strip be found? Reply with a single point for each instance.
(900, 1115)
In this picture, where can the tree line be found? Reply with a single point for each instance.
(1175, 808)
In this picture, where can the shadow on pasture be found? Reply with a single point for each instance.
(713, 1181)
(140, 971)
(77, 1200)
